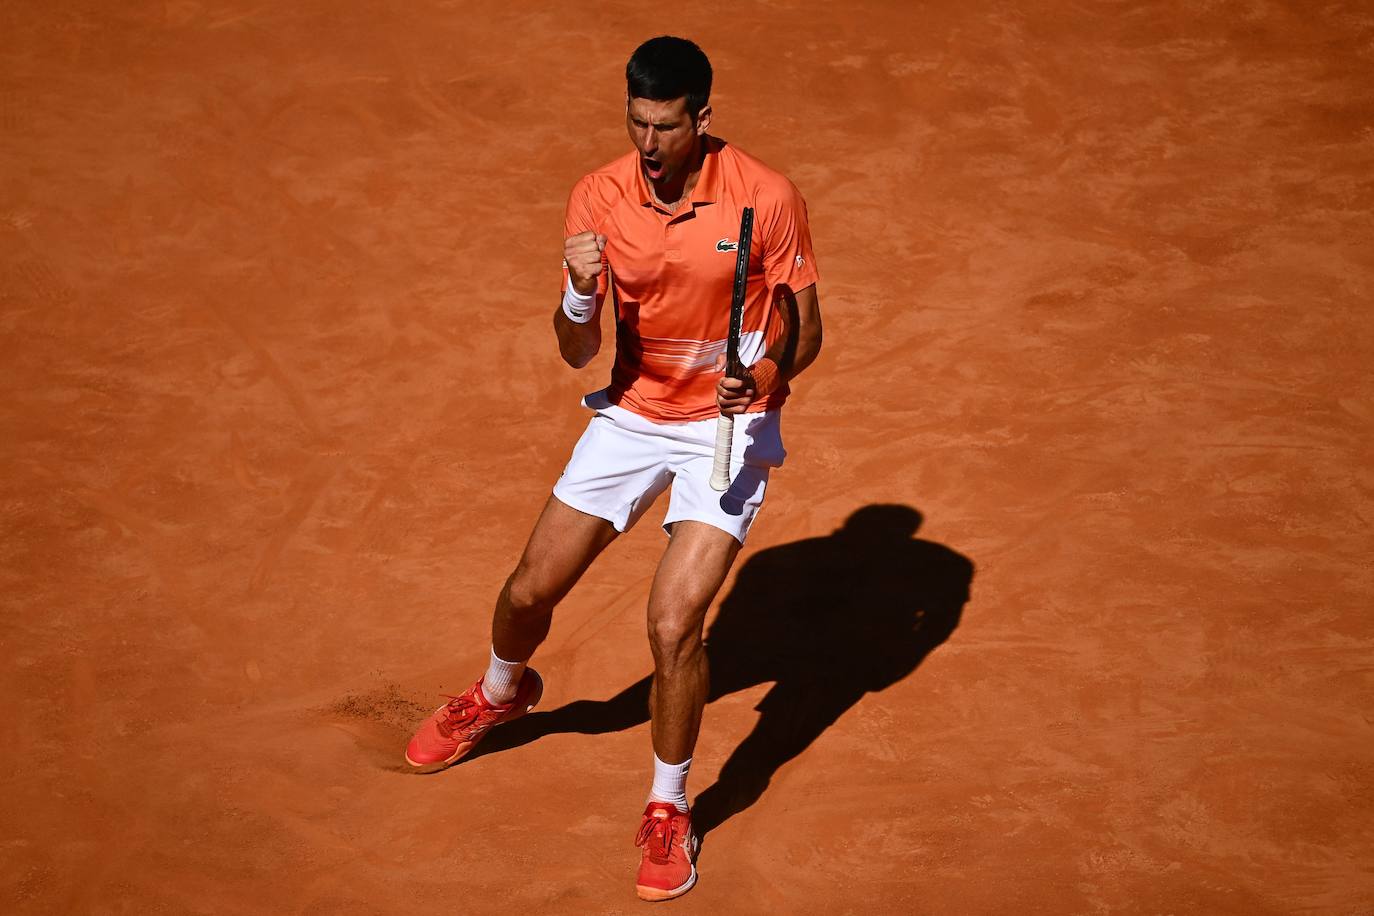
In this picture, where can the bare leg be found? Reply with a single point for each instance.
(689, 575)
(563, 544)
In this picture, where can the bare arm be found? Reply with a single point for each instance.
(794, 350)
(801, 341)
(579, 342)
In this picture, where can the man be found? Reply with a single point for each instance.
(654, 236)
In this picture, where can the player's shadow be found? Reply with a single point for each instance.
(826, 620)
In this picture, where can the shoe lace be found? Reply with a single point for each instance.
(461, 713)
(660, 831)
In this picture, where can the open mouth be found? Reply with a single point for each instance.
(652, 167)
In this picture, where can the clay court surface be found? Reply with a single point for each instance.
(281, 402)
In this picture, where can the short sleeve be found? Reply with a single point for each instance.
(581, 217)
(786, 236)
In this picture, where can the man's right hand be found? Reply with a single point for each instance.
(582, 252)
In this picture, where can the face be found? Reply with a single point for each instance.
(665, 136)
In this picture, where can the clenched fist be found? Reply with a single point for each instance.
(582, 253)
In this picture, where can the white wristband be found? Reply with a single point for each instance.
(577, 307)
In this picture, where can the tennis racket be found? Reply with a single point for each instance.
(725, 426)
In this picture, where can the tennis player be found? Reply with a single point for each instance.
(652, 239)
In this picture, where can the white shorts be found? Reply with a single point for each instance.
(623, 462)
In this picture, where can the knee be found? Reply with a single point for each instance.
(528, 595)
(675, 638)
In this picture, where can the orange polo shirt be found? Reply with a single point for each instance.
(673, 274)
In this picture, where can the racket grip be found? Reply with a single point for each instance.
(725, 440)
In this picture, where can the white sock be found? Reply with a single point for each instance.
(501, 680)
(670, 783)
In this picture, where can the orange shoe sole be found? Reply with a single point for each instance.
(658, 894)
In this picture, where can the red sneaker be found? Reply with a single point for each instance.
(457, 726)
(670, 849)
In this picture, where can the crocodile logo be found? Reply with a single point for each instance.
(726, 245)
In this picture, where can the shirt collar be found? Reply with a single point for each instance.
(707, 189)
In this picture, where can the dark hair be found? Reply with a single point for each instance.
(667, 68)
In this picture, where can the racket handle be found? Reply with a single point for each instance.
(725, 440)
